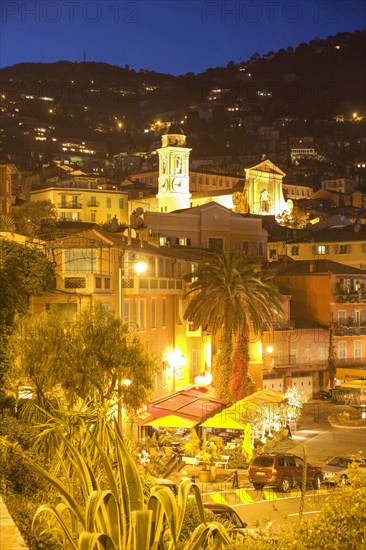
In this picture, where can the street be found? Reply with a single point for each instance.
(322, 441)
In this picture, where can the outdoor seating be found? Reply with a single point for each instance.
(223, 462)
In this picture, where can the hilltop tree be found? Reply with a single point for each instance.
(233, 296)
(24, 272)
(36, 219)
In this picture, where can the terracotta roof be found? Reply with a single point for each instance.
(320, 267)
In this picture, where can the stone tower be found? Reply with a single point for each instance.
(173, 193)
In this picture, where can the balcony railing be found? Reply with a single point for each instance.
(69, 205)
(349, 330)
(350, 297)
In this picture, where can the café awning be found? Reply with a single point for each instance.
(223, 421)
(172, 421)
(354, 384)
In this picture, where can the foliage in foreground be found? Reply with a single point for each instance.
(106, 510)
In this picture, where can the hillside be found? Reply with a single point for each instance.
(90, 100)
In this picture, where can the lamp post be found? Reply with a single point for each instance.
(139, 268)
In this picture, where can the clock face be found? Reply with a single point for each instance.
(178, 184)
(164, 184)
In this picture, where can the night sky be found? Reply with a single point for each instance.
(169, 36)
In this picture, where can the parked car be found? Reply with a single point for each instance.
(282, 471)
(336, 469)
(325, 395)
(226, 515)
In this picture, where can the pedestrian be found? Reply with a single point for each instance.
(235, 480)
(193, 478)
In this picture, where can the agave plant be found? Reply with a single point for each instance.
(107, 512)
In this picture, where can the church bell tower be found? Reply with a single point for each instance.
(173, 193)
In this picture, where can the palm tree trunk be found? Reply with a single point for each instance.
(239, 387)
(222, 367)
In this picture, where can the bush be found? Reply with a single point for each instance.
(192, 520)
(237, 459)
(17, 431)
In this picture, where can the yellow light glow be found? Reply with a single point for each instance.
(126, 382)
(269, 349)
(176, 359)
(140, 267)
(203, 380)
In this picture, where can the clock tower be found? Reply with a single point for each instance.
(173, 193)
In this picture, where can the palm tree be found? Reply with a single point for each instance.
(232, 294)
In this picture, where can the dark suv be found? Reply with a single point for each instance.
(283, 471)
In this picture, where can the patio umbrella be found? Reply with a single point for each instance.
(224, 421)
(247, 443)
(353, 384)
(172, 421)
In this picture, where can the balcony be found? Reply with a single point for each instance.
(93, 204)
(85, 283)
(350, 297)
(350, 330)
(69, 206)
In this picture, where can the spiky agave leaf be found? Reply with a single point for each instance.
(114, 484)
(100, 541)
(140, 530)
(57, 514)
(164, 510)
(131, 487)
(214, 530)
(185, 488)
(64, 492)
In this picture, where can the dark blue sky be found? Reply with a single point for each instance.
(171, 36)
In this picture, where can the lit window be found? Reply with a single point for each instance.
(163, 313)
(342, 352)
(358, 350)
(153, 313)
(321, 249)
(295, 250)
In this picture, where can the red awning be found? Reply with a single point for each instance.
(192, 404)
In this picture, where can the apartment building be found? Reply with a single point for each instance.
(93, 266)
(74, 203)
(344, 243)
(329, 295)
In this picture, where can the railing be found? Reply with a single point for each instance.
(153, 283)
(345, 330)
(350, 297)
(69, 206)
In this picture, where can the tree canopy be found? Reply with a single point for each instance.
(36, 219)
(24, 272)
(84, 358)
(232, 294)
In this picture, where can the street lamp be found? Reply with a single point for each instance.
(139, 268)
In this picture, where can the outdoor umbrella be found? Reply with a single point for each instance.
(224, 421)
(172, 421)
(247, 443)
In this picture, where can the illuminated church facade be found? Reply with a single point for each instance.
(262, 193)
